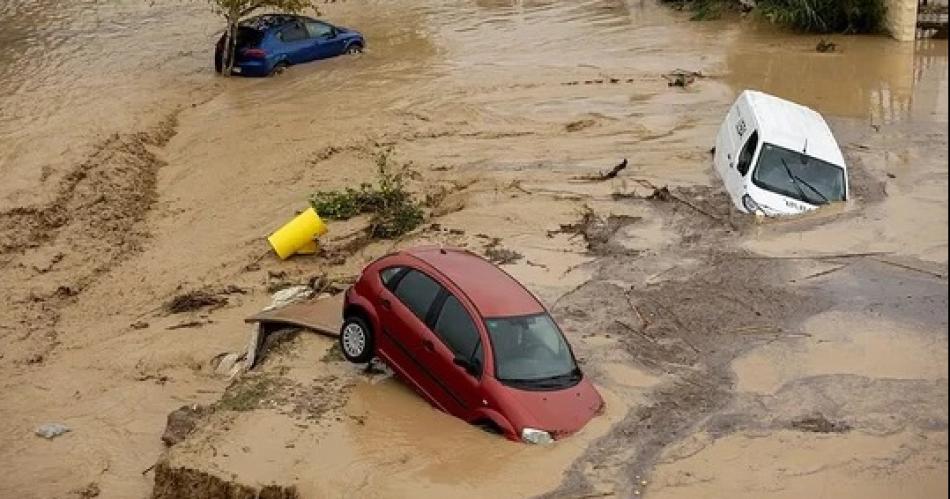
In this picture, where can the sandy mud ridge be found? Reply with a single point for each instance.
(93, 223)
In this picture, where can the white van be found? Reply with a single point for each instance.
(776, 157)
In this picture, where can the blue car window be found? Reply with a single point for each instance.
(293, 33)
(319, 30)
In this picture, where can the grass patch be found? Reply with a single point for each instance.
(334, 354)
(249, 393)
(394, 210)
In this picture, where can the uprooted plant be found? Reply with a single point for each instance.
(394, 210)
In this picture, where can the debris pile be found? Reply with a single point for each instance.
(598, 232)
(500, 255)
(820, 424)
(199, 299)
(824, 46)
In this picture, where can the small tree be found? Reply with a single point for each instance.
(235, 10)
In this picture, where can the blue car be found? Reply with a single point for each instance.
(268, 44)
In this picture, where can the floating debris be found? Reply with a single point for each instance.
(682, 78)
(50, 431)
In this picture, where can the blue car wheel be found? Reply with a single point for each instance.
(279, 68)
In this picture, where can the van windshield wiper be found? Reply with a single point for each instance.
(813, 189)
(799, 182)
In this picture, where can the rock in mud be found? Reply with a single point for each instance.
(682, 78)
(50, 431)
(176, 483)
(182, 422)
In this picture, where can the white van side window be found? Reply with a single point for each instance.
(747, 154)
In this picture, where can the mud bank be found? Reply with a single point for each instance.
(313, 424)
(172, 483)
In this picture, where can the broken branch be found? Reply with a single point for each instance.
(612, 173)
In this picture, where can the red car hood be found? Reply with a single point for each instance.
(560, 412)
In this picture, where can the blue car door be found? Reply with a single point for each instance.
(296, 43)
(326, 40)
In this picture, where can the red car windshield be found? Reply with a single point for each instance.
(531, 352)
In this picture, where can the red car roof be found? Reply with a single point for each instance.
(491, 290)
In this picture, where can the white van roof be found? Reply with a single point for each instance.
(792, 126)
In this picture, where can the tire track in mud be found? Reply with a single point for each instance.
(690, 327)
(92, 224)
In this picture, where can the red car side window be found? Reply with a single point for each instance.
(417, 291)
(457, 329)
(390, 276)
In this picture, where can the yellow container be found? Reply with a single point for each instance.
(310, 248)
(298, 234)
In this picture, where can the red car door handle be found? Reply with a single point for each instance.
(428, 345)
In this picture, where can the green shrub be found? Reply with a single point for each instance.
(394, 210)
(826, 16)
(340, 205)
(704, 10)
(815, 16)
(711, 9)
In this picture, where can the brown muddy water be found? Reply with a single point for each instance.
(130, 174)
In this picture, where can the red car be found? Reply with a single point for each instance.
(471, 340)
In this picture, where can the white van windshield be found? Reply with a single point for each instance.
(799, 176)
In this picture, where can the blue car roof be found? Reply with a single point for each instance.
(269, 21)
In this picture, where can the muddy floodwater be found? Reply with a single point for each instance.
(739, 358)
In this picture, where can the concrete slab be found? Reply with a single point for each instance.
(322, 315)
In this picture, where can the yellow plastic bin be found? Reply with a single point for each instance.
(298, 235)
(310, 248)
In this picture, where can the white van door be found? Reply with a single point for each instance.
(738, 134)
(743, 165)
(726, 147)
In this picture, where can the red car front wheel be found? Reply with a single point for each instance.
(356, 340)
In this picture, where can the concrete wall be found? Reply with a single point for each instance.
(902, 19)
